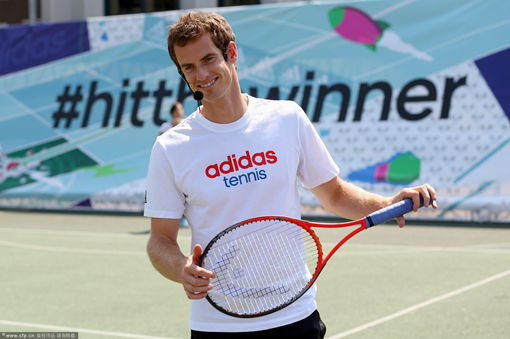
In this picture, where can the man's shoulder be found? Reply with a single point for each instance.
(179, 134)
(278, 108)
(277, 103)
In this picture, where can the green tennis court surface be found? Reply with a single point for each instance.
(90, 274)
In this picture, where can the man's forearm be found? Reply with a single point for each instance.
(166, 257)
(347, 200)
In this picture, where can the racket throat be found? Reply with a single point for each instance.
(344, 240)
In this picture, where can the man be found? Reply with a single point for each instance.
(177, 115)
(234, 158)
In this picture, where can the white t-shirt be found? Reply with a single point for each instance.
(165, 127)
(220, 174)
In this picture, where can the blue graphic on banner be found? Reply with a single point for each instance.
(400, 169)
(496, 71)
(25, 46)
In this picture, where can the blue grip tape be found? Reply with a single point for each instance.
(391, 212)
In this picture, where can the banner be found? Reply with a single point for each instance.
(402, 93)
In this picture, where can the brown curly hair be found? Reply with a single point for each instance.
(193, 25)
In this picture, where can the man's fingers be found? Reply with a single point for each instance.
(193, 268)
(199, 272)
(196, 291)
(416, 201)
(426, 191)
(198, 281)
(195, 295)
(197, 253)
(433, 196)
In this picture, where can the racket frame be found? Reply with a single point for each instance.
(376, 218)
(308, 227)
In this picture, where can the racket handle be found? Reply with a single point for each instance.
(391, 212)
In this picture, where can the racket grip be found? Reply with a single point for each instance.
(391, 212)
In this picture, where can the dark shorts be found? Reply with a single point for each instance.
(311, 327)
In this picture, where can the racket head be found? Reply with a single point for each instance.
(262, 265)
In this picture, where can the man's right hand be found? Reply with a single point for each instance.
(196, 280)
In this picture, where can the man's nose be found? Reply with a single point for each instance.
(201, 73)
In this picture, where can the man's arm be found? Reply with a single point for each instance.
(168, 259)
(350, 201)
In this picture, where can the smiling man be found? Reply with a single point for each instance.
(238, 157)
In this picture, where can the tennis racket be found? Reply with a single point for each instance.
(265, 264)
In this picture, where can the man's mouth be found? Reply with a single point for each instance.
(207, 85)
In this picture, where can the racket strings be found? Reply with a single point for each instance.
(295, 230)
(259, 270)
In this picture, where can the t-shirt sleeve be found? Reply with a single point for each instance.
(163, 199)
(316, 166)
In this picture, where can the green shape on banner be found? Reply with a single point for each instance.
(404, 168)
(106, 170)
(47, 159)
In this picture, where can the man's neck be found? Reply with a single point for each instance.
(227, 110)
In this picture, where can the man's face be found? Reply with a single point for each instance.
(204, 67)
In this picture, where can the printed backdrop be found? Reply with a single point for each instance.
(402, 93)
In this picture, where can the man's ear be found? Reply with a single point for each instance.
(231, 52)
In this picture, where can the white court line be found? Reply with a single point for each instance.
(79, 330)
(373, 251)
(469, 249)
(63, 232)
(483, 248)
(68, 250)
(421, 305)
